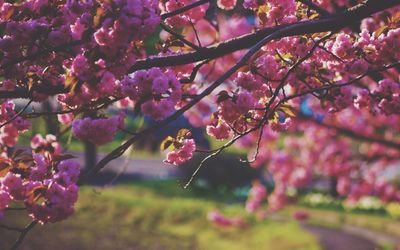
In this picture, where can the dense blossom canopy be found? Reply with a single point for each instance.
(311, 88)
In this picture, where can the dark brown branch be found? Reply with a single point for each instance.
(183, 9)
(179, 37)
(15, 208)
(61, 47)
(328, 23)
(345, 131)
(39, 53)
(194, 72)
(314, 26)
(121, 149)
(25, 93)
(334, 86)
(354, 135)
(11, 228)
(16, 115)
(23, 234)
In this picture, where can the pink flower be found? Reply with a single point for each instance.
(4, 199)
(108, 85)
(77, 29)
(245, 101)
(226, 4)
(65, 118)
(248, 81)
(257, 194)
(253, 4)
(48, 144)
(220, 132)
(80, 67)
(8, 135)
(98, 131)
(343, 185)
(182, 154)
(21, 124)
(301, 215)
(159, 91)
(13, 184)
(217, 218)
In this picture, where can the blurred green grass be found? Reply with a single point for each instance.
(338, 218)
(155, 215)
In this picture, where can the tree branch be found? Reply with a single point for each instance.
(23, 234)
(328, 23)
(306, 27)
(183, 9)
(353, 134)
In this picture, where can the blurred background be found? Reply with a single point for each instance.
(137, 202)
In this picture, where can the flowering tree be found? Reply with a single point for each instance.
(309, 87)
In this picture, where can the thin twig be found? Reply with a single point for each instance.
(179, 36)
(183, 9)
(23, 234)
(195, 33)
(313, 26)
(194, 72)
(16, 115)
(11, 228)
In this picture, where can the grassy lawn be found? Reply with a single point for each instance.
(155, 215)
(336, 219)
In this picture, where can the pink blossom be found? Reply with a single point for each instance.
(257, 194)
(65, 118)
(217, 218)
(220, 132)
(98, 131)
(226, 4)
(182, 154)
(301, 215)
(8, 135)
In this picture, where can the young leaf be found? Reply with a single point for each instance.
(287, 109)
(222, 96)
(166, 143)
(182, 133)
(63, 157)
(380, 31)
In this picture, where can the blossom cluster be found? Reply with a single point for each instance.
(298, 103)
(257, 194)
(182, 153)
(101, 41)
(97, 130)
(158, 92)
(46, 186)
(191, 16)
(48, 145)
(9, 130)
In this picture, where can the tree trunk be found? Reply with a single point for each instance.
(90, 155)
(52, 125)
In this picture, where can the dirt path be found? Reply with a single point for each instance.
(332, 239)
